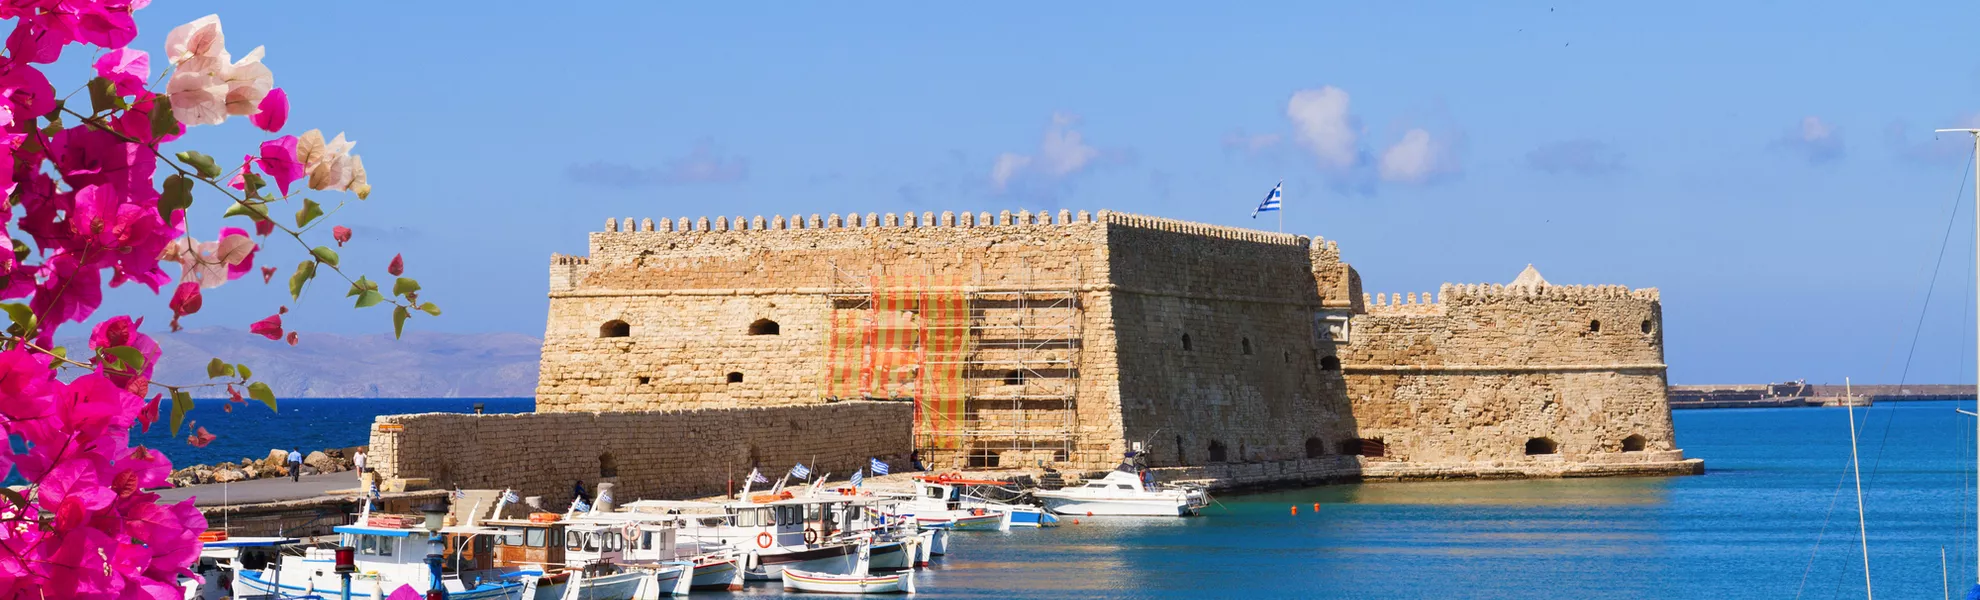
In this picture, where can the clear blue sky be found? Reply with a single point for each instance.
(1770, 167)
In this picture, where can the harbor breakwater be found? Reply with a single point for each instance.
(1792, 394)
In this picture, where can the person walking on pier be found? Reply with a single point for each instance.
(357, 461)
(577, 490)
(295, 464)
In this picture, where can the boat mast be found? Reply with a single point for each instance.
(1863, 531)
(1975, 133)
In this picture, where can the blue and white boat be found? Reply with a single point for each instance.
(220, 559)
(387, 558)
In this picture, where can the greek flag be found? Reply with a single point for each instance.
(879, 467)
(756, 476)
(510, 497)
(457, 494)
(800, 471)
(859, 477)
(604, 498)
(580, 505)
(1271, 202)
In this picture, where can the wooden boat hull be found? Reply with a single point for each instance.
(717, 576)
(824, 583)
(836, 559)
(988, 521)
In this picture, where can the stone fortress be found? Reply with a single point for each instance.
(1029, 339)
(680, 354)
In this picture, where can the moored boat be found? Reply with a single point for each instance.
(858, 582)
(1121, 493)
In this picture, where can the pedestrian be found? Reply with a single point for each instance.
(295, 464)
(577, 489)
(914, 459)
(357, 460)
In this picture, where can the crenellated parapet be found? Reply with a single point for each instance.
(981, 219)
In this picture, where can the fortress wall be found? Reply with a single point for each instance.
(658, 454)
(689, 296)
(1475, 375)
(1221, 292)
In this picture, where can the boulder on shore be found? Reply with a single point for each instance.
(321, 462)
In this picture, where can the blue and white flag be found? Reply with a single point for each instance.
(580, 505)
(879, 467)
(800, 471)
(1271, 202)
(604, 498)
(859, 477)
(756, 476)
(509, 496)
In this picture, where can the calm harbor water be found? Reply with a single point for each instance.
(1749, 528)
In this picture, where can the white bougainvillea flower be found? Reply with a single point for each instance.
(200, 38)
(209, 263)
(198, 98)
(331, 165)
(248, 81)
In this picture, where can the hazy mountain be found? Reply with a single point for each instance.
(423, 365)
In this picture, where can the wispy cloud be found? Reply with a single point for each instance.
(1061, 154)
(1815, 140)
(1326, 128)
(1584, 157)
(1322, 124)
(1239, 141)
(703, 164)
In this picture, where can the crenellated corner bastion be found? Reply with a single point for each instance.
(1026, 339)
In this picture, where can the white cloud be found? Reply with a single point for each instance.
(1816, 140)
(1414, 158)
(1321, 123)
(1063, 152)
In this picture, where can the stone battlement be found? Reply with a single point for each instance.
(1411, 303)
(950, 219)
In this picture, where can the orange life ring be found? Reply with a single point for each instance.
(976, 511)
(810, 536)
(763, 540)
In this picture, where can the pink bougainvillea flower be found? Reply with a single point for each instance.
(40, 38)
(200, 38)
(185, 301)
(292, 338)
(106, 24)
(150, 413)
(240, 176)
(270, 327)
(27, 88)
(200, 438)
(264, 227)
(234, 394)
(129, 69)
(273, 114)
(398, 266)
(267, 274)
(341, 234)
(278, 159)
(123, 331)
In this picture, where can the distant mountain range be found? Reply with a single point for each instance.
(423, 365)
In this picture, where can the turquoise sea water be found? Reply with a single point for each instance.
(1748, 528)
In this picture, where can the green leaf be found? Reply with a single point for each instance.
(127, 359)
(20, 314)
(404, 285)
(59, 351)
(178, 195)
(399, 315)
(21, 251)
(252, 210)
(163, 123)
(252, 183)
(360, 286)
(103, 96)
(325, 255)
(369, 298)
(182, 403)
(199, 161)
(304, 272)
(260, 391)
(246, 373)
(430, 308)
(217, 368)
(310, 211)
(16, 502)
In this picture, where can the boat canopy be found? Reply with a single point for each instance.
(362, 530)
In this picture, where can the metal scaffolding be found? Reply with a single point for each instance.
(993, 371)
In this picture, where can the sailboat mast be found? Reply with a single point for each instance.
(1975, 134)
(1863, 530)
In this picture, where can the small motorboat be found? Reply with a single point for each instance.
(859, 582)
(1121, 493)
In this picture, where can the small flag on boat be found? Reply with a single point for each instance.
(509, 496)
(457, 494)
(604, 498)
(1271, 202)
(800, 471)
(579, 505)
(859, 477)
(756, 476)
(879, 467)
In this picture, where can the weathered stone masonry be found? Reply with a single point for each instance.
(1217, 347)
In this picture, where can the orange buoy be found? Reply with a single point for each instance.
(1089, 513)
(1316, 507)
(1295, 510)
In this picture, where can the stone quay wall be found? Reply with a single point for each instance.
(1513, 376)
(648, 454)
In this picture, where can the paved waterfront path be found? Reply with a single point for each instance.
(262, 490)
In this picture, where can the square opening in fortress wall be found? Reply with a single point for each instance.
(1035, 339)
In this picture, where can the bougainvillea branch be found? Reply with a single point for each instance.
(89, 213)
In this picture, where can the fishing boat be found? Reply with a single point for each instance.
(859, 582)
(938, 502)
(1121, 493)
(653, 539)
(221, 557)
(389, 553)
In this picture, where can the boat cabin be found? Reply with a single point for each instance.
(220, 558)
(533, 542)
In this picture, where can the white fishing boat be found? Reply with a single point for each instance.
(653, 539)
(222, 557)
(859, 582)
(1121, 493)
(938, 503)
(389, 554)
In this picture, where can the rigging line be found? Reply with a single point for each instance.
(1947, 236)
(1826, 518)
(1923, 310)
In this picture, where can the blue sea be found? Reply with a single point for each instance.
(1773, 517)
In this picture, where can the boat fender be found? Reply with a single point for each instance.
(976, 511)
(763, 540)
(810, 536)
